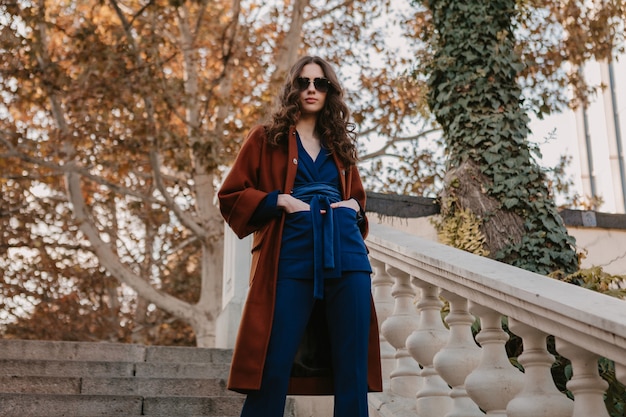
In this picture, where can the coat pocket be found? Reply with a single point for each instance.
(258, 238)
(350, 235)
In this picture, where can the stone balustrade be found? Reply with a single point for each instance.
(434, 368)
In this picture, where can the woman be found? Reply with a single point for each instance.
(308, 325)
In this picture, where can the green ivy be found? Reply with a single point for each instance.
(477, 101)
(475, 98)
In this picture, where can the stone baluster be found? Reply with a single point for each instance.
(459, 357)
(405, 379)
(382, 284)
(433, 399)
(539, 397)
(495, 381)
(586, 384)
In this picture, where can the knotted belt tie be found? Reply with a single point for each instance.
(320, 196)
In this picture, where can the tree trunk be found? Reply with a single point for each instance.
(491, 170)
(503, 227)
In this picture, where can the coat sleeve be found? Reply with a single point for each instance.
(358, 193)
(239, 195)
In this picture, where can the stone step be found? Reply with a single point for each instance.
(59, 368)
(178, 354)
(69, 351)
(182, 406)
(17, 384)
(157, 387)
(108, 352)
(114, 386)
(36, 405)
(46, 405)
(182, 370)
(184, 409)
(14, 367)
(54, 379)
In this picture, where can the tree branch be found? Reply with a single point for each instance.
(382, 151)
(326, 12)
(186, 47)
(83, 172)
(110, 260)
(287, 51)
(180, 214)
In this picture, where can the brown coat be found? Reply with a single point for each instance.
(258, 170)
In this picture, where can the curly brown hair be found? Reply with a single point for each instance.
(333, 124)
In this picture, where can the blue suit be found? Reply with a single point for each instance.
(324, 274)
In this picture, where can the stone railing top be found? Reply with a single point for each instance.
(585, 318)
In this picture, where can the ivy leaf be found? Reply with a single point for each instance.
(491, 157)
(510, 202)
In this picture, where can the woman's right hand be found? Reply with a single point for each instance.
(290, 204)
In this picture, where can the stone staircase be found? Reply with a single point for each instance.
(53, 379)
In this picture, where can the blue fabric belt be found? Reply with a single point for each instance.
(320, 196)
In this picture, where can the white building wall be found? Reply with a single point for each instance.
(569, 131)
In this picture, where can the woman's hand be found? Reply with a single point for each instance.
(351, 203)
(290, 204)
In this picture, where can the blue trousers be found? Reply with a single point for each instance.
(347, 304)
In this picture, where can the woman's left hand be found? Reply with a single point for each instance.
(351, 203)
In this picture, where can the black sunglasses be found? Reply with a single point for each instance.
(321, 84)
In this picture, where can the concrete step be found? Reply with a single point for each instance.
(114, 386)
(17, 384)
(58, 368)
(182, 370)
(36, 405)
(176, 354)
(10, 367)
(46, 405)
(109, 352)
(157, 387)
(70, 351)
(182, 406)
(54, 379)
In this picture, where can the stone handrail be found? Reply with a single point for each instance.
(434, 369)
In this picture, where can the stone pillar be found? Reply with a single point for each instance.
(459, 357)
(405, 379)
(234, 287)
(539, 397)
(495, 381)
(586, 384)
(433, 399)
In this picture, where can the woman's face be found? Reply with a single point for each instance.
(311, 98)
